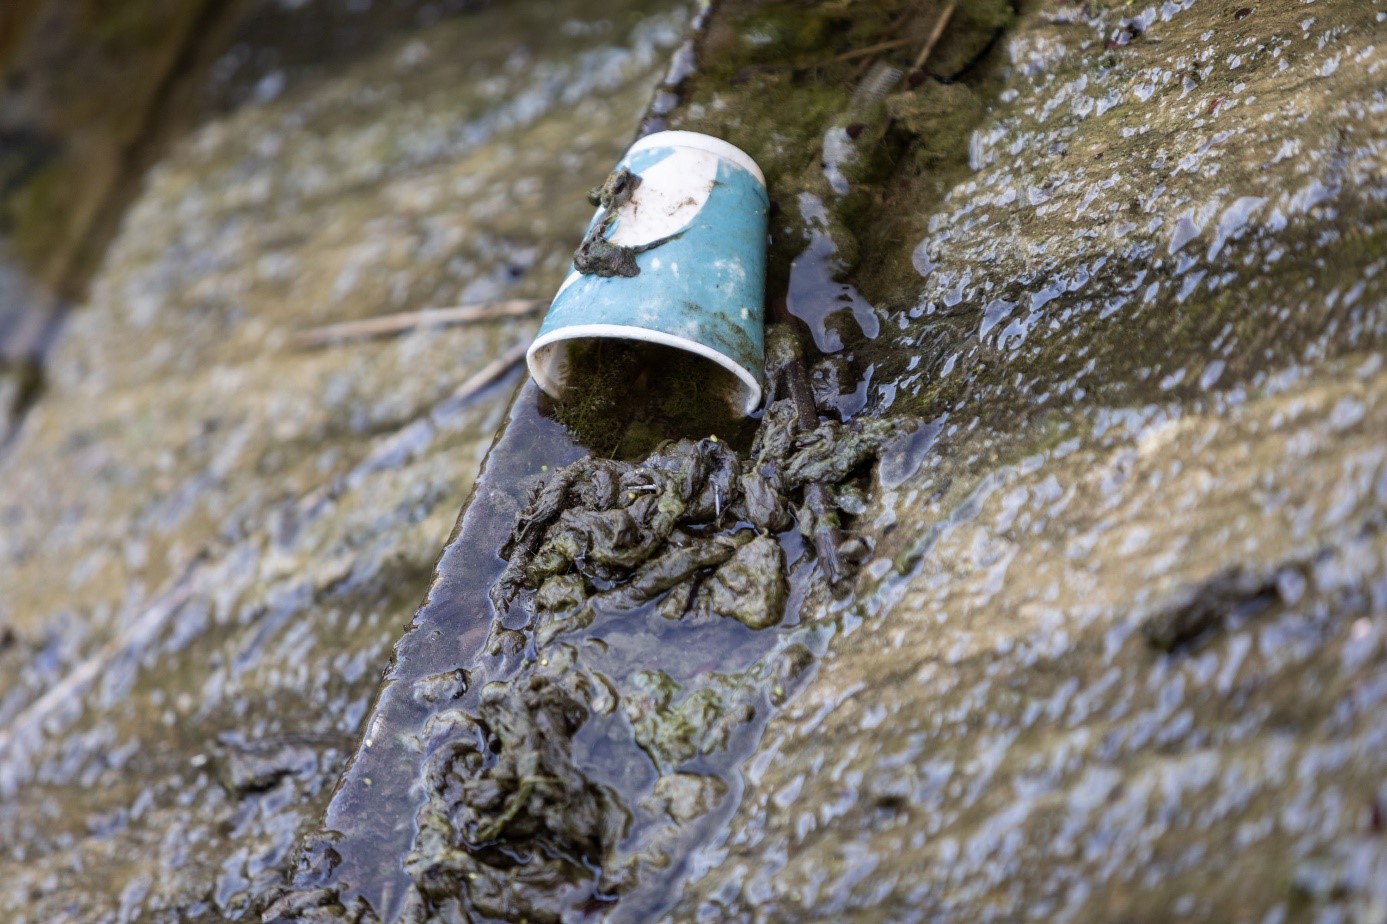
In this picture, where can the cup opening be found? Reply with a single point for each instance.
(560, 361)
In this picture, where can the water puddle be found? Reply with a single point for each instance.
(815, 294)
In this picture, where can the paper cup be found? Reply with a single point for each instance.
(701, 290)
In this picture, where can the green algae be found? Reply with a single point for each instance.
(618, 572)
(513, 783)
(673, 727)
(740, 588)
(635, 531)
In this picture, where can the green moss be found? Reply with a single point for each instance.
(984, 14)
(769, 34)
(626, 398)
(128, 26)
(37, 215)
(777, 78)
(937, 118)
(805, 36)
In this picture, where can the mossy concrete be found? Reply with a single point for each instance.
(212, 538)
(1142, 301)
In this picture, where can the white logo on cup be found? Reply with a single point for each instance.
(671, 194)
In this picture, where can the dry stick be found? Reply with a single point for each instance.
(934, 36)
(870, 50)
(926, 49)
(409, 439)
(26, 728)
(489, 373)
(392, 324)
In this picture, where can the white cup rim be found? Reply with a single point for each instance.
(541, 360)
(701, 142)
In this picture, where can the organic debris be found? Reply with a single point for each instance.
(519, 823)
(609, 535)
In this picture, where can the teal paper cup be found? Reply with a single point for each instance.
(695, 225)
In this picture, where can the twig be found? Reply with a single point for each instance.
(412, 439)
(934, 35)
(870, 50)
(488, 373)
(24, 733)
(393, 324)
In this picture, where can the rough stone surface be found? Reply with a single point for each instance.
(1119, 654)
(1117, 651)
(210, 538)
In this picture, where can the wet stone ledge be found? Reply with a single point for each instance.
(212, 538)
(1114, 647)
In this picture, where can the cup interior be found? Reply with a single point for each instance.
(670, 366)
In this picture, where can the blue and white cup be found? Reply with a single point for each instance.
(702, 290)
